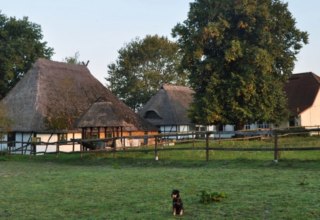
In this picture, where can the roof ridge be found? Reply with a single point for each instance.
(51, 89)
(316, 77)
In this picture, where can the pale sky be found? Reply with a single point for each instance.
(97, 29)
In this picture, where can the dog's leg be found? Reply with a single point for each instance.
(181, 212)
(174, 211)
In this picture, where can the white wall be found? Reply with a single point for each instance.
(49, 147)
(183, 128)
(54, 147)
(3, 146)
(168, 128)
(228, 128)
(311, 116)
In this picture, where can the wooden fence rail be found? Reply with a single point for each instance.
(160, 139)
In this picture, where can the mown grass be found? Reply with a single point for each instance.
(134, 186)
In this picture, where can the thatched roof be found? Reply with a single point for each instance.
(52, 92)
(301, 90)
(169, 106)
(104, 114)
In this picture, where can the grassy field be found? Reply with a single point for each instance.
(135, 186)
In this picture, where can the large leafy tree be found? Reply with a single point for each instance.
(20, 45)
(239, 53)
(4, 120)
(142, 66)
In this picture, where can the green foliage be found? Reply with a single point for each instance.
(64, 118)
(75, 59)
(208, 197)
(303, 181)
(21, 44)
(239, 54)
(142, 66)
(4, 121)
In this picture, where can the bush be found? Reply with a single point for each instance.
(3, 153)
(207, 197)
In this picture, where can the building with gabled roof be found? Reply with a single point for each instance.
(49, 99)
(168, 109)
(303, 99)
(103, 120)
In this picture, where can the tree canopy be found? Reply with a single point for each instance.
(4, 120)
(142, 66)
(239, 54)
(20, 45)
(73, 59)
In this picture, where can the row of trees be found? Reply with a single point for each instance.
(237, 55)
(144, 65)
(21, 43)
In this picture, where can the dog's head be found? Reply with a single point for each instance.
(175, 193)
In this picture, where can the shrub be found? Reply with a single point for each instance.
(207, 197)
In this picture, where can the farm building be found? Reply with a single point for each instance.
(303, 95)
(46, 102)
(303, 91)
(105, 120)
(168, 110)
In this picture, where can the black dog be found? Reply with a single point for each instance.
(177, 205)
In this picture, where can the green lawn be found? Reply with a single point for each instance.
(135, 186)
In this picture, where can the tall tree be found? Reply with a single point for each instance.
(20, 45)
(142, 66)
(239, 54)
(4, 121)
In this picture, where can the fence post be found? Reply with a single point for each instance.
(57, 149)
(156, 149)
(22, 144)
(207, 146)
(276, 150)
(193, 137)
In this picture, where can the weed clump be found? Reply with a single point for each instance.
(208, 197)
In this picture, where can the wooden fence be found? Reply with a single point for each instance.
(162, 143)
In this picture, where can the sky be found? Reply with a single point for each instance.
(97, 29)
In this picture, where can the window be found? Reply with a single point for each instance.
(151, 115)
(62, 137)
(11, 139)
(263, 125)
(92, 133)
(293, 121)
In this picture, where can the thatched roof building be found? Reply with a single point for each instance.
(169, 106)
(52, 95)
(104, 114)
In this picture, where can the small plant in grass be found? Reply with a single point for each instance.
(303, 181)
(208, 197)
(3, 156)
(116, 166)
